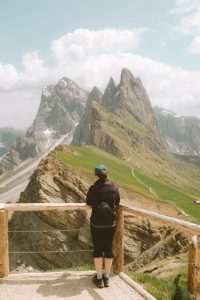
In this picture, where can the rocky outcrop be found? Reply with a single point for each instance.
(59, 113)
(180, 133)
(64, 232)
(148, 242)
(55, 231)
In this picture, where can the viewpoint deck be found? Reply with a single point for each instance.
(67, 285)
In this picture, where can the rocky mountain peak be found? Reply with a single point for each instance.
(130, 100)
(126, 77)
(95, 95)
(124, 112)
(109, 92)
(67, 86)
(60, 110)
(111, 84)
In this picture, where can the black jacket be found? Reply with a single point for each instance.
(102, 191)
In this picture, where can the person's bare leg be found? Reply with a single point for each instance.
(98, 262)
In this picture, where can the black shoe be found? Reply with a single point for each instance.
(98, 282)
(106, 281)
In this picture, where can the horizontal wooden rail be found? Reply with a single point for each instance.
(43, 206)
(163, 218)
(82, 206)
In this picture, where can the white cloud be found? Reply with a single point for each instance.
(90, 58)
(188, 14)
(188, 25)
(18, 108)
(185, 6)
(194, 47)
(83, 42)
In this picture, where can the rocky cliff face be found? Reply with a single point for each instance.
(148, 242)
(130, 100)
(53, 181)
(180, 134)
(83, 130)
(7, 138)
(60, 110)
(58, 231)
(121, 120)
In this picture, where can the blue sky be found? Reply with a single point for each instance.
(43, 40)
(32, 25)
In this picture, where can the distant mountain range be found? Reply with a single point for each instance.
(7, 138)
(119, 120)
(181, 134)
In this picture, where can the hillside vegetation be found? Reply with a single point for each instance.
(84, 160)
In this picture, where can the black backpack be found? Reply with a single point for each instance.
(106, 211)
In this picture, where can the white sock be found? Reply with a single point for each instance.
(107, 274)
(99, 275)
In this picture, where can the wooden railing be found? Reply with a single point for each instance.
(118, 245)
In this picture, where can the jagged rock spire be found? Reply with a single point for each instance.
(109, 93)
(126, 76)
(83, 130)
(94, 95)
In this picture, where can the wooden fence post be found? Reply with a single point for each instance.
(118, 246)
(4, 260)
(194, 267)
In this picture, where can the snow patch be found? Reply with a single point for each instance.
(170, 113)
(48, 133)
(46, 92)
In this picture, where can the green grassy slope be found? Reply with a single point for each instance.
(168, 288)
(121, 172)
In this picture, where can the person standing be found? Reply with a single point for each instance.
(102, 228)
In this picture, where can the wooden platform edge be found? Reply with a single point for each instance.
(35, 275)
(138, 288)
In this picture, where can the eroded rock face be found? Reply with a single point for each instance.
(82, 135)
(59, 113)
(145, 241)
(51, 182)
(120, 120)
(181, 134)
(130, 96)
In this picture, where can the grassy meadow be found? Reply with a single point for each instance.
(120, 172)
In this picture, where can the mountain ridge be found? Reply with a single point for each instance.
(122, 119)
(59, 112)
(180, 134)
(7, 138)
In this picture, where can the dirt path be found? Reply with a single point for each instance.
(142, 183)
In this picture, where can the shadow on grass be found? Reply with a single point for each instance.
(180, 294)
